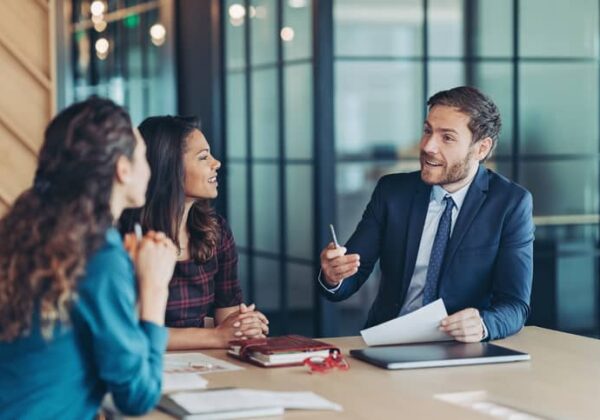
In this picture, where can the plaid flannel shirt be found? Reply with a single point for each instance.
(197, 289)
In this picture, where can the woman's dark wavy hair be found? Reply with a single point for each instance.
(57, 224)
(166, 142)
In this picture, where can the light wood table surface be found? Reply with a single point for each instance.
(562, 381)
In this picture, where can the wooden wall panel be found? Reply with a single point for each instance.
(25, 101)
(17, 165)
(28, 91)
(25, 25)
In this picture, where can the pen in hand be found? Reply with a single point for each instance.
(333, 236)
(335, 263)
(137, 229)
(132, 241)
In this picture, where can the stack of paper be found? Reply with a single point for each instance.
(173, 382)
(237, 403)
(182, 371)
(196, 363)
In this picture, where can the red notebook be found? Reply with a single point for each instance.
(287, 350)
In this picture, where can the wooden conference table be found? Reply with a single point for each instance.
(562, 380)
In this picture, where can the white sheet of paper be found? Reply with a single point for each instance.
(198, 363)
(240, 399)
(173, 382)
(419, 326)
(300, 400)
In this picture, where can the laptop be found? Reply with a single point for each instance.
(439, 354)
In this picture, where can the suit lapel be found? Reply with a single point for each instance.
(416, 221)
(474, 199)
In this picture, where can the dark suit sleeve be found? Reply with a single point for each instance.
(512, 274)
(365, 241)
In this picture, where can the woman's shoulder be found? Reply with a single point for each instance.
(110, 262)
(111, 250)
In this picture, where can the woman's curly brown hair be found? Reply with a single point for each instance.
(54, 227)
(166, 142)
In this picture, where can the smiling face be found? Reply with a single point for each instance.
(200, 168)
(449, 158)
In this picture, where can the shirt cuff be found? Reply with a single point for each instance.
(485, 331)
(326, 287)
(158, 335)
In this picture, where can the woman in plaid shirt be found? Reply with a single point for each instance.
(205, 282)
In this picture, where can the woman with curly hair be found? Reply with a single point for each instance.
(69, 328)
(205, 283)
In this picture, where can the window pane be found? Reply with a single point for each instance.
(237, 202)
(494, 28)
(298, 111)
(502, 167)
(559, 108)
(297, 15)
(378, 108)
(562, 233)
(446, 28)
(264, 34)
(557, 194)
(300, 298)
(558, 28)
(236, 115)
(496, 81)
(299, 205)
(234, 34)
(133, 90)
(355, 183)
(378, 28)
(265, 114)
(133, 72)
(577, 293)
(300, 286)
(266, 284)
(266, 207)
(445, 75)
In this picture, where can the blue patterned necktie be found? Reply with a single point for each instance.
(438, 250)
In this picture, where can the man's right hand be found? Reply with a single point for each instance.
(336, 265)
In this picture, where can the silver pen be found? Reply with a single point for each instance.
(137, 229)
(333, 236)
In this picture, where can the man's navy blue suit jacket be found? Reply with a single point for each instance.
(488, 263)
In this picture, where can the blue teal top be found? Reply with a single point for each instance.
(105, 349)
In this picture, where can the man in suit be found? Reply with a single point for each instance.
(454, 230)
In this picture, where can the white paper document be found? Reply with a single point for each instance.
(173, 382)
(236, 399)
(419, 326)
(198, 363)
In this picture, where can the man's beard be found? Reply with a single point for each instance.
(454, 173)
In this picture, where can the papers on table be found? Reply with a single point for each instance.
(240, 399)
(416, 327)
(195, 363)
(181, 371)
(173, 382)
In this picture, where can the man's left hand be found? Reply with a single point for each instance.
(465, 326)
